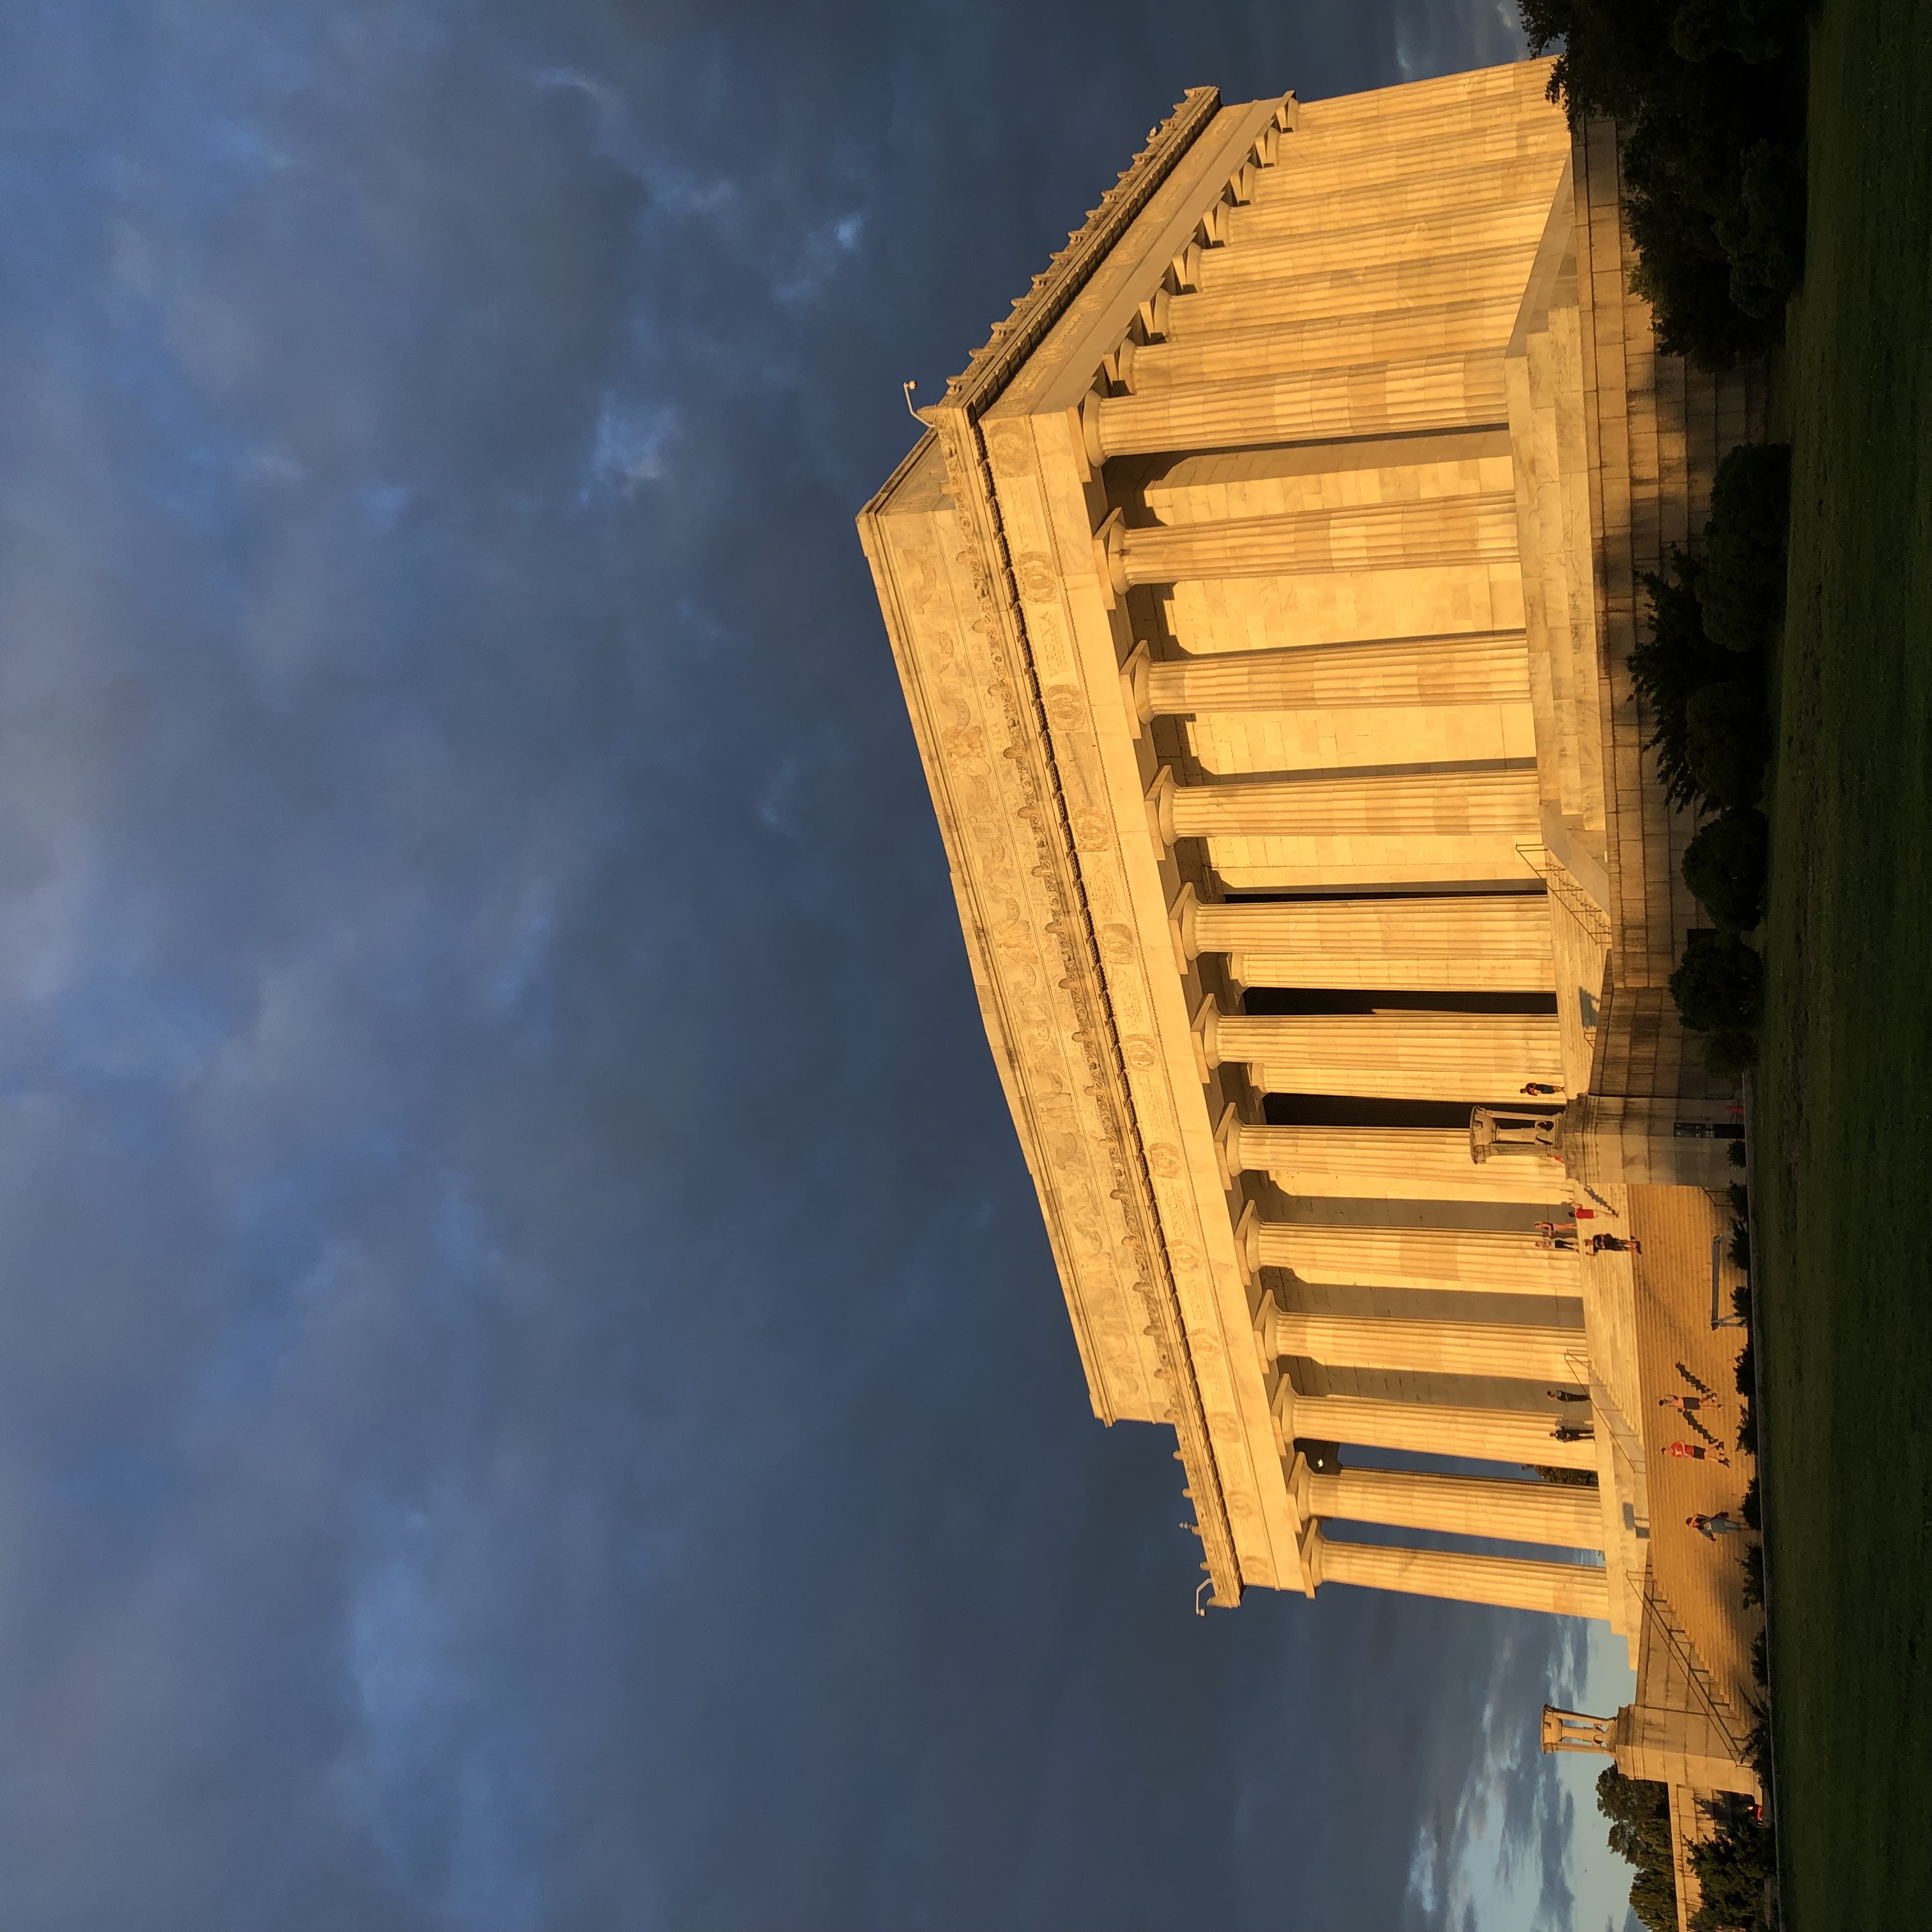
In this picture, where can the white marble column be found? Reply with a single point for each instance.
(1526, 1352)
(1518, 1436)
(1413, 674)
(1392, 804)
(1453, 181)
(1384, 1164)
(1466, 942)
(1198, 357)
(1513, 1582)
(1564, 1516)
(1477, 1261)
(1397, 1054)
(1432, 392)
(1485, 274)
(1478, 528)
(1262, 246)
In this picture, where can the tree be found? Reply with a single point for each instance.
(1725, 741)
(1719, 984)
(1740, 589)
(1639, 1815)
(1707, 93)
(1725, 864)
(1676, 661)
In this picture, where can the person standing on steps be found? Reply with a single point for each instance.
(1712, 1527)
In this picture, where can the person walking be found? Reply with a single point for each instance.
(1690, 1405)
(1696, 1452)
(1538, 1087)
(1614, 1244)
(1574, 1432)
(1712, 1527)
(1564, 1395)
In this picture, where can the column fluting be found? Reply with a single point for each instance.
(1481, 667)
(1565, 1516)
(1518, 1436)
(1480, 1261)
(1525, 1352)
(1512, 1582)
(1397, 1054)
(1478, 528)
(1428, 392)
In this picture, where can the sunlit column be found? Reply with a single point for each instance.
(1398, 1055)
(1483, 667)
(1514, 1583)
(1478, 528)
(1453, 392)
(1564, 1515)
(1522, 1436)
(1526, 1352)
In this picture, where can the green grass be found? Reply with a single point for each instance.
(1842, 1154)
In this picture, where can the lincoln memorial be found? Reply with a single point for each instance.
(1262, 593)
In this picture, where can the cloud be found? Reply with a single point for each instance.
(534, 1390)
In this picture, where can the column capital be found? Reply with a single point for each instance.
(1160, 807)
(1207, 1036)
(1181, 923)
(1136, 686)
(1247, 1242)
(1269, 1342)
(1228, 1145)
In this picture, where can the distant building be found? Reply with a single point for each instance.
(1262, 593)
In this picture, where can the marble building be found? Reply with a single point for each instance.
(1261, 592)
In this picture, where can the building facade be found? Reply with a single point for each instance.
(1262, 593)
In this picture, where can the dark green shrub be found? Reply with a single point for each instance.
(1676, 661)
(1739, 1155)
(1744, 1371)
(1738, 1195)
(1732, 1868)
(1748, 1430)
(1741, 591)
(1760, 1665)
(1752, 1558)
(1719, 985)
(1739, 1246)
(1730, 1053)
(1753, 30)
(1752, 1510)
(1762, 232)
(1712, 160)
(1725, 741)
(1683, 272)
(1757, 1739)
(1725, 864)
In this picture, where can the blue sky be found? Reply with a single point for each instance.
(532, 1393)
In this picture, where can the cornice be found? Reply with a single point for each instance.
(956, 422)
(992, 367)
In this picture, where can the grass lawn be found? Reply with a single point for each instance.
(1842, 1155)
